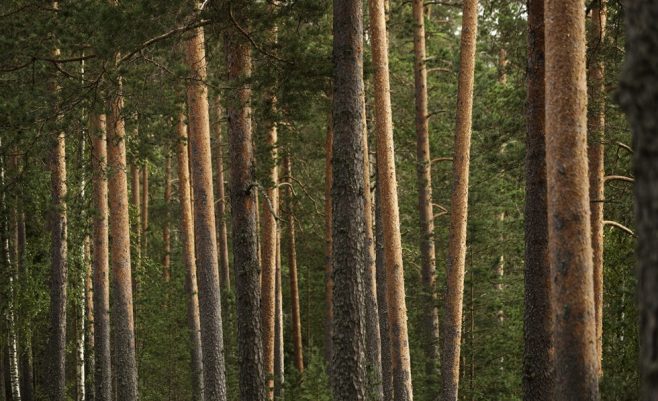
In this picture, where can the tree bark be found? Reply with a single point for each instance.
(144, 209)
(122, 291)
(452, 319)
(569, 234)
(136, 205)
(596, 133)
(102, 353)
(210, 305)
(295, 310)
(244, 223)
(187, 230)
(166, 233)
(424, 177)
(279, 354)
(328, 245)
(221, 204)
(639, 98)
(349, 378)
(81, 310)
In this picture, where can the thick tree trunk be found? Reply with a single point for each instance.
(328, 245)
(349, 377)
(187, 231)
(103, 364)
(569, 241)
(424, 177)
(596, 133)
(397, 309)
(452, 319)
(244, 223)
(270, 207)
(639, 98)
(204, 220)
(222, 239)
(122, 291)
(295, 310)
(166, 233)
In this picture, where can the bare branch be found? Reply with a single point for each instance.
(618, 178)
(619, 226)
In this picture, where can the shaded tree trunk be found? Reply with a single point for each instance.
(639, 99)
(244, 217)
(204, 220)
(328, 244)
(348, 373)
(424, 177)
(122, 290)
(144, 209)
(100, 260)
(452, 319)
(222, 239)
(166, 233)
(187, 231)
(569, 238)
(136, 205)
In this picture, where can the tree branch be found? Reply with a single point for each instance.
(619, 226)
(618, 178)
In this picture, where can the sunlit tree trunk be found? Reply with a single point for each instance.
(279, 354)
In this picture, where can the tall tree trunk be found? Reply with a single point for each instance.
(26, 361)
(569, 241)
(270, 207)
(244, 217)
(596, 133)
(639, 98)
(222, 239)
(144, 209)
(292, 267)
(81, 283)
(136, 205)
(452, 319)
(122, 290)
(89, 312)
(397, 309)
(166, 233)
(328, 244)
(187, 230)
(348, 372)
(103, 364)
(279, 354)
(424, 177)
(204, 220)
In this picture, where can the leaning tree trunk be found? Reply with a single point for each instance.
(244, 223)
(596, 134)
(187, 231)
(639, 98)
(122, 291)
(424, 177)
(452, 319)
(569, 241)
(210, 305)
(103, 364)
(222, 239)
(348, 373)
(387, 181)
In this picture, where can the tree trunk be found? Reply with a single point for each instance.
(279, 355)
(452, 323)
(596, 133)
(187, 230)
(569, 241)
(103, 364)
(122, 290)
(397, 309)
(166, 233)
(244, 223)
(144, 209)
(221, 204)
(424, 177)
(210, 305)
(81, 312)
(639, 98)
(26, 362)
(328, 245)
(349, 379)
(292, 267)
(89, 335)
(270, 207)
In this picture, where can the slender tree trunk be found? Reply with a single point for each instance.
(569, 241)
(103, 364)
(166, 233)
(270, 208)
(221, 204)
(135, 204)
(397, 309)
(452, 323)
(349, 377)
(187, 230)
(279, 355)
(144, 209)
(204, 220)
(328, 245)
(81, 312)
(596, 133)
(639, 98)
(26, 362)
(89, 312)
(292, 266)
(244, 217)
(122, 290)
(424, 177)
